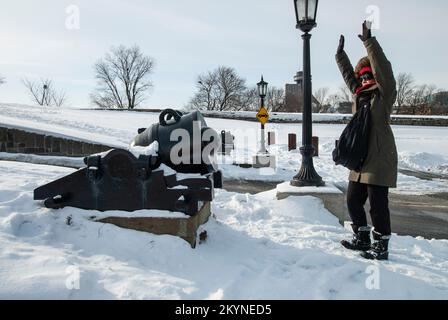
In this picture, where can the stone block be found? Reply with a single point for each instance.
(264, 161)
(185, 227)
(56, 146)
(331, 196)
(30, 140)
(77, 148)
(84, 148)
(48, 142)
(30, 150)
(10, 135)
(90, 149)
(3, 134)
(64, 149)
(69, 146)
(99, 148)
(39, 141)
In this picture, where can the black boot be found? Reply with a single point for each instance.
(379, 248)
(361, 239)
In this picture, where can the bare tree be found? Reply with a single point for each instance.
(420, 95)
(2, 80)
(321, 95)
(275, 99)
(417, 97)
(250, 99)
(220, 90)
(59, 98)
(405, 85)
(345, 94)
(44, 93)
(431, 90)
(230, 88)
(333, 101)
(203, 98)
(122, 77)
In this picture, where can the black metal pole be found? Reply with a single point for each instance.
(262, 142)
(307, 175)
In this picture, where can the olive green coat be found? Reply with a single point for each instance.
(380, 166)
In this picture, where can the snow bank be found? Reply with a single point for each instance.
(425, 162)
(71, 162)
(257, 248)
(151, 150)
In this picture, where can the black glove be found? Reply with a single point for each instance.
(341, 44)
(366, 32)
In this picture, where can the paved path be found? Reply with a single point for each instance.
(423, 215)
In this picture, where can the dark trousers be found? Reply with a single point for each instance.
(357, 194)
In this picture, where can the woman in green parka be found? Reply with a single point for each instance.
(372, 83)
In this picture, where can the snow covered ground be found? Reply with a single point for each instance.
(257, 248)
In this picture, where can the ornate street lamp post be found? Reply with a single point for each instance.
(262, 91)
(306, 11)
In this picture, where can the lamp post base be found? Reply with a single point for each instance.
(265, 160)
(307, 176)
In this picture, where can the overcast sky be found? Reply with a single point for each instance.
(189, 37)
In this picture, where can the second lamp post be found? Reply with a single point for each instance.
(262, 91)
(306, 11)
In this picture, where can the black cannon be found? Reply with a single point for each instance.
(184, 155)
(119, 180)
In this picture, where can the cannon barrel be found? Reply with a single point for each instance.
(186, 143)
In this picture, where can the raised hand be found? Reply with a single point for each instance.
(366, 32)
(341, 44)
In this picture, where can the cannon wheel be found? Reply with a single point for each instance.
(168, 114)
(54, 203)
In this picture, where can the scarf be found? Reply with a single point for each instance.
(364, 87)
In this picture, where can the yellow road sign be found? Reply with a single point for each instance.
(263, 115)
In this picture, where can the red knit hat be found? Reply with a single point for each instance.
(365, 70)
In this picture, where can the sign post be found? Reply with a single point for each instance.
(263, 117)
(263, 159)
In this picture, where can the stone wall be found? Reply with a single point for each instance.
(20, 141)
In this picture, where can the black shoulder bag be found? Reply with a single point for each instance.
(351, 148)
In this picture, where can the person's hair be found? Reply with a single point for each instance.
(364, 62)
